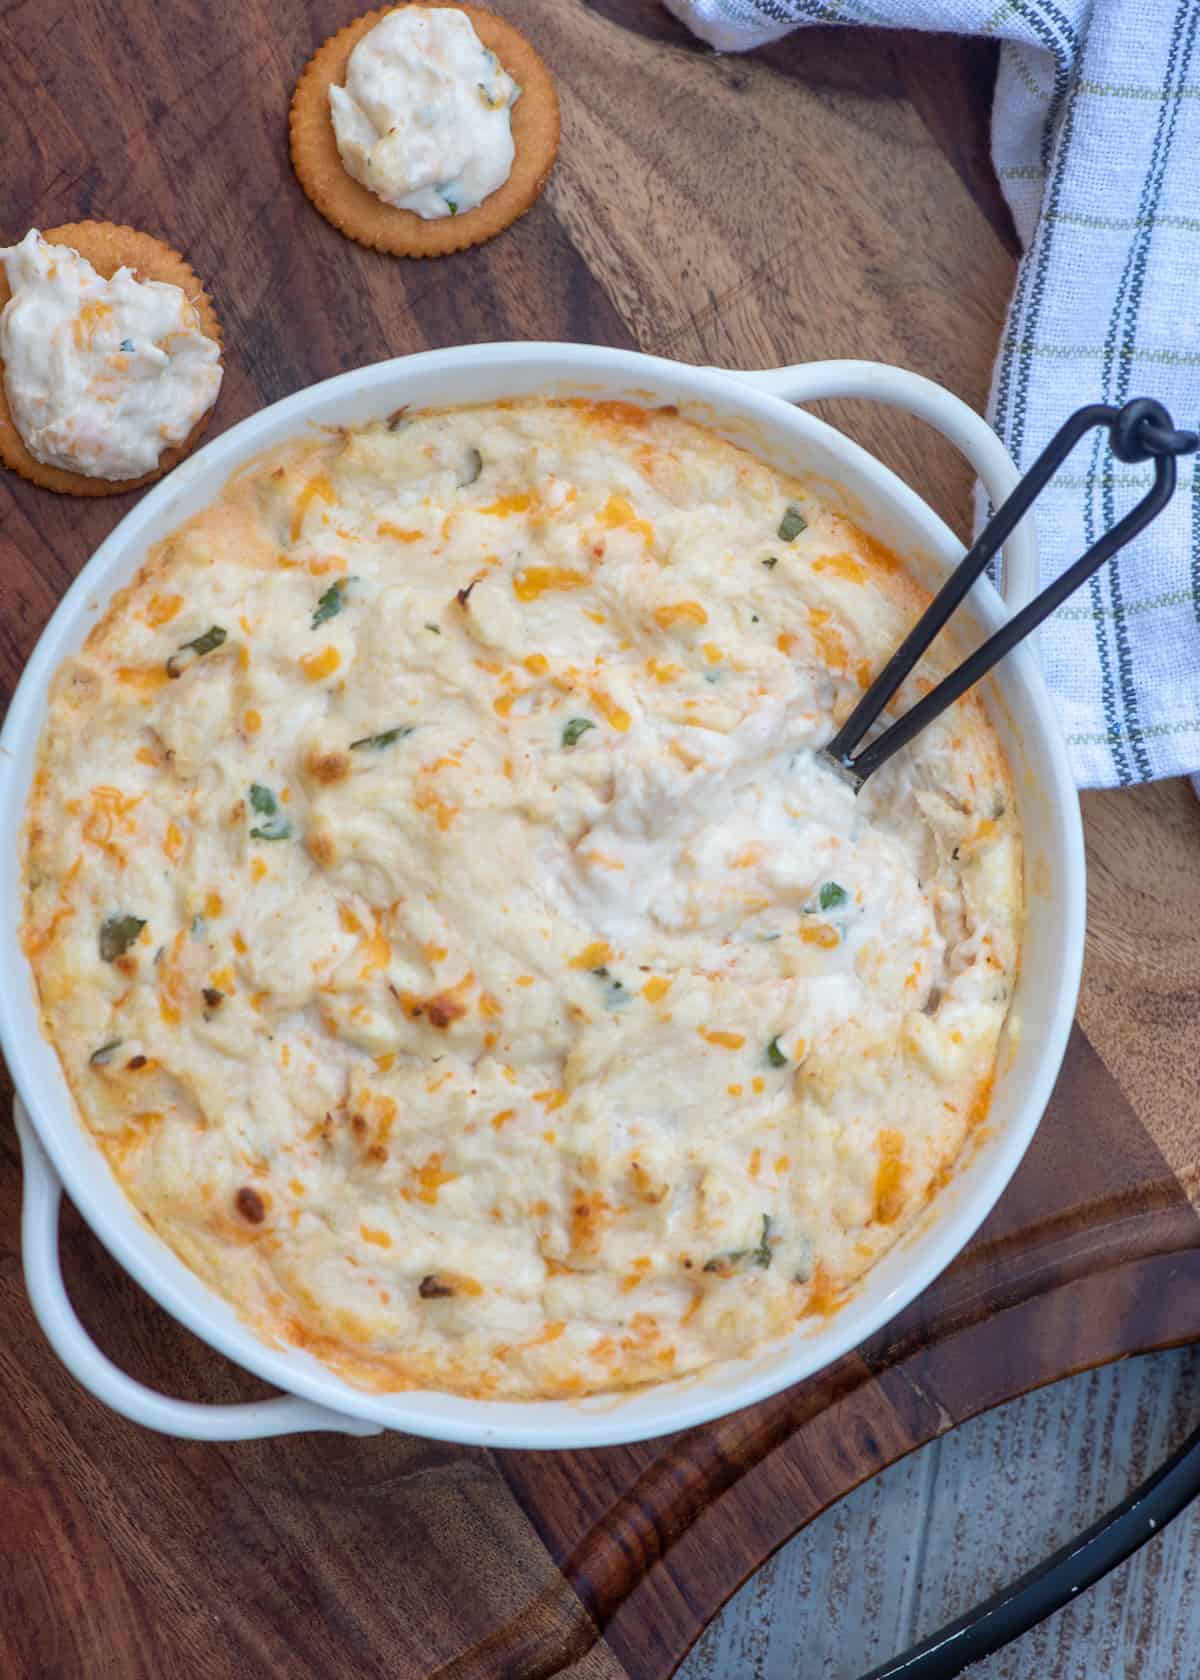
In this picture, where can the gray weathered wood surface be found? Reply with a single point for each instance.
(940, 1530)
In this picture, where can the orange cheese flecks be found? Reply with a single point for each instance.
(680, 612)
(612, 714)
(161, 609)
(594, 955)
(831, 649)
(146, 679)
(842, 566)
(109, 816)
(426, 800)
(430, 1178)
(723, 1040)
(531, 581)
(890, 1175)
(377, 953)
(320, 664)
(519, 502)
(317, 488)
(618, 514)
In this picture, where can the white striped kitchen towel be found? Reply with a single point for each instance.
(1096, 140)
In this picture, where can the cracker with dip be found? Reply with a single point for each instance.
(110, 351)
(424, 129)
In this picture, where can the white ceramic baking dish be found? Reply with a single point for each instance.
(753, 409)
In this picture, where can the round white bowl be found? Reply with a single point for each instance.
(751, 409)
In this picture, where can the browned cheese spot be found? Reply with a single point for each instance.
(328, 767)
(250, 1205)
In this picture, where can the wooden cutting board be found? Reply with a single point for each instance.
(829, 197)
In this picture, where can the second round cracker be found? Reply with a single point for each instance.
(358, 213)
(108, 246)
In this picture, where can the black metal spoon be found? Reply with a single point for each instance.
(1140, 431)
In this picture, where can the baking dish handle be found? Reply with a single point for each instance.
(42, 1194)
(967, 431)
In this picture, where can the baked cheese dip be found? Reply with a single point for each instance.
(450, 935)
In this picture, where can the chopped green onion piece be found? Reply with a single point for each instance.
(207, 643)
(775, 1055)
(574, 729)
(832, 896)
(277, 826)
(212, 638)
(451, 205)
(117, 934)
(386, 739)
(724, 1265)
(435, 628)
(102, 1057)
(791, 525)
(127, 345)
(771, 561)
(330, 604)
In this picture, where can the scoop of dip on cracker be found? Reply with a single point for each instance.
(101, 375)
(423, 119)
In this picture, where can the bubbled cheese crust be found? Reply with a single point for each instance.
(464, 962)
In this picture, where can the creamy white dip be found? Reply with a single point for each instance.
(423, 120)
(101, 375)
(450, 932)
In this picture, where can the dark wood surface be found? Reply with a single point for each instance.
(830, 196)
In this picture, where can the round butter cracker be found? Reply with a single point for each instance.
(358, 213)
(108, 247)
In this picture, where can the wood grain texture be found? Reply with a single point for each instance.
(824, 198)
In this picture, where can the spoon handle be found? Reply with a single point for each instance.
(1142, 430)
